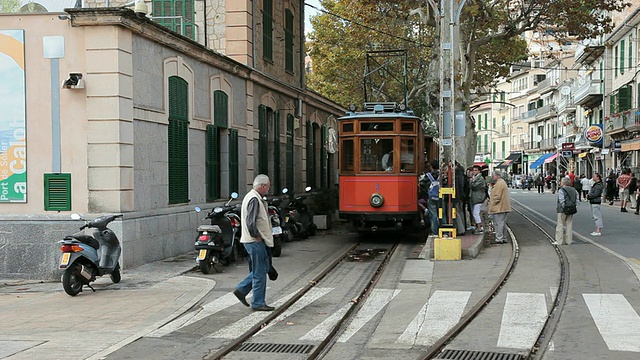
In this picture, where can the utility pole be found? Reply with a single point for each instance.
(452, 127)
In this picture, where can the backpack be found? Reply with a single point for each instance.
(569, 209)
(434, 187)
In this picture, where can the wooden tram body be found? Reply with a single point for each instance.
(381, 158)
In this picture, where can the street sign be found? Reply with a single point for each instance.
(568, 146)
(567, 153)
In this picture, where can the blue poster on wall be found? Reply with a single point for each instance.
(13, 148)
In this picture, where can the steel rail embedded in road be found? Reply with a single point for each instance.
(551, 324)
(329, 340)
(538, 349)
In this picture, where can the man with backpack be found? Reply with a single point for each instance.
(566, 206)
(477, 197)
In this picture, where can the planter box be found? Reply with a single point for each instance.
(323, 222)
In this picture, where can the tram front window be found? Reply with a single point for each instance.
(377, 155)
(407, 155)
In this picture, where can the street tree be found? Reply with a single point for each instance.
(490, 41)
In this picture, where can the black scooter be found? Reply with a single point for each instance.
(85, 257)
(298, 217)
(279, 227)
(219, 242)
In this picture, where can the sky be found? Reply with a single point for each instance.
(308, 12)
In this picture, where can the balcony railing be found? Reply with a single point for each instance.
(545, 112)
(566, 104)
(546, 85)
(529, 116)
(589, 92)
(629, 120)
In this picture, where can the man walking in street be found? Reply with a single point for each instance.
(595, 199)
(256, 237)
(623, 184)
(499, 206)
(586, 185)
(564, 223)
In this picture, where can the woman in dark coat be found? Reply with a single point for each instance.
(577, 184)
(611, 188)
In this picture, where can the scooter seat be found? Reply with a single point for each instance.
(85, 239)
(210, 228)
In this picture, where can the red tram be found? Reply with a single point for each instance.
(381, 158)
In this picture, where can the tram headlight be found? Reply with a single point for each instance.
(376, 200)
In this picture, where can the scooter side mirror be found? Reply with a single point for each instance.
(75, 216)
(197, 209)
(234, 195)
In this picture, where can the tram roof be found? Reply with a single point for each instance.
(371, 114)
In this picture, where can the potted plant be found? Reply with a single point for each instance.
(325, 203)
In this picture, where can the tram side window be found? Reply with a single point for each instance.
(407, 155)
(347, 128)
(376, 155)
(347, 155)
(407, 127)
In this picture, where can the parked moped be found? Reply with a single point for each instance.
(85, 257)
(279, 227)
(219, 242)
(298, 217)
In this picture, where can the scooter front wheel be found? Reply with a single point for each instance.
(71, 281)
(115, 275)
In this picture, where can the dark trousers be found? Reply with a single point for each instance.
(540, 188)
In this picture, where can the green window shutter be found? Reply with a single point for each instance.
(220, 109)
(624, 98)
(615, 61)
(630, 63)
(479, 143)
(486, 116)
(212, 163)
(267, 28)
(622, 58)
(486, 142)
(166, 12)
(613, 104)
(311, 176)
(178, 135)
(288, 41)
(57, 192)
(263, 159)
(276, 151)
(289, 155)
(323, 157)
(234, 182)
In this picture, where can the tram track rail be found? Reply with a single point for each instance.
(318, 350)
(536, 352)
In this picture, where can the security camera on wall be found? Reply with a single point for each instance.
(74, 81)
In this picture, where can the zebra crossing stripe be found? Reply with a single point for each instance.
(238, 328)
(322, 330)
(443, 311)
(523, 317)
(208, 309)
(378, 299)
(617, 321)
(308, 298)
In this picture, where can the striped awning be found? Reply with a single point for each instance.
(551, 158)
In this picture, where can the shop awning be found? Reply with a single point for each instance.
(536, 164)
(480, 163)
(631, 145)
(551, 158)
(584, 154)
(504, 164)
(513, 158)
